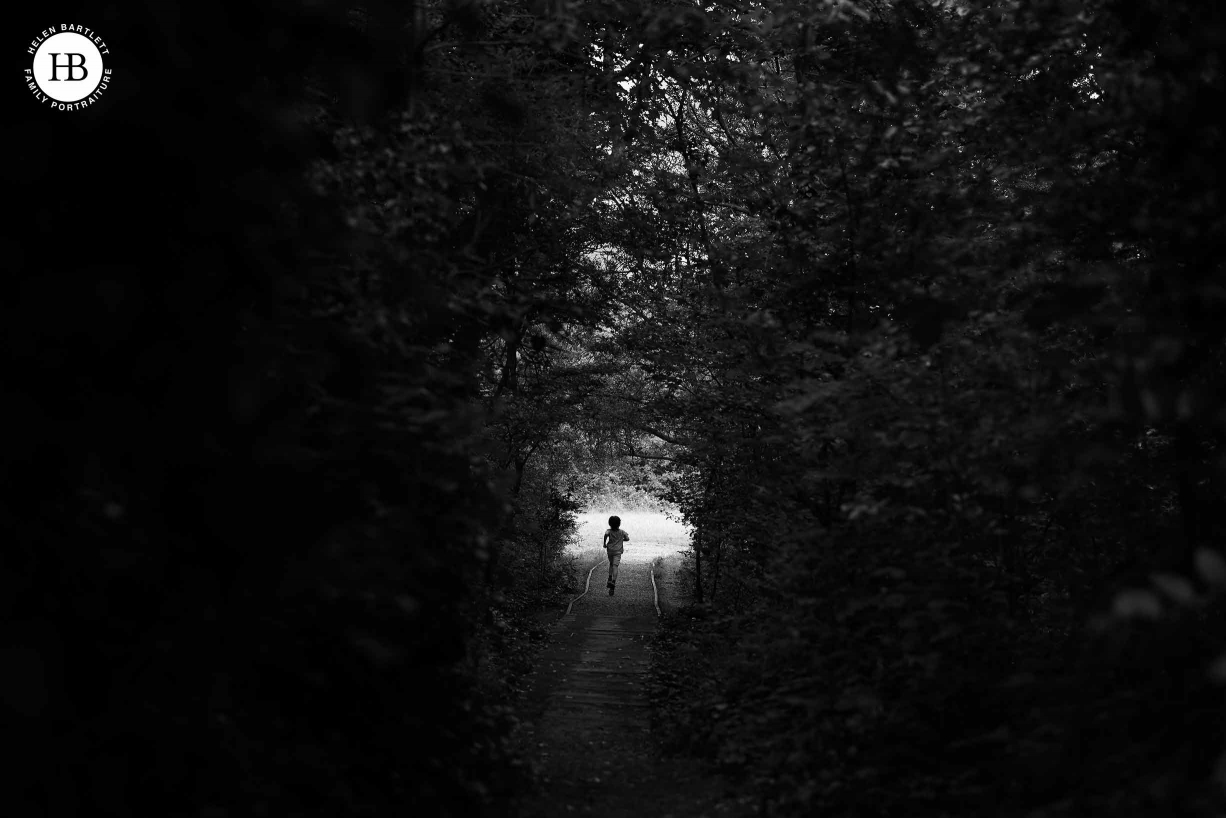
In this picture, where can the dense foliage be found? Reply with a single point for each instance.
(963, 347)
(914, 309)
(251, 524)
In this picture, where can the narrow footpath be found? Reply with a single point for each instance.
(588, 717)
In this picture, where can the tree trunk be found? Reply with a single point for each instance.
(698, 537)
(509, 382)
(520, 463)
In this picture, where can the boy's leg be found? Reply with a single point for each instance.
(615, 561)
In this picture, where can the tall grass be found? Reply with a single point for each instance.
(651, 534)
(654, 538)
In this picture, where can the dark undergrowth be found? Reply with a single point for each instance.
(886, 694)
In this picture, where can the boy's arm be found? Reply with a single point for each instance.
(605, 541)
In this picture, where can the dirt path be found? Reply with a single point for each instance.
(588, 718)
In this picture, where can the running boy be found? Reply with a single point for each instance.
(614, 544)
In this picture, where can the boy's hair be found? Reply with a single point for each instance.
(615, 522)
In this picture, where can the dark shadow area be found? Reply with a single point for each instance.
(326, 323)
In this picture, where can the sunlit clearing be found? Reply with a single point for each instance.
(651, 534)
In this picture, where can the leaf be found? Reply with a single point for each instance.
(1217, 669)
(1211, 567)
(1136, 604)
(376, 651)
(1174, 586)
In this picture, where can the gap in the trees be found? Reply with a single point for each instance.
(654, 525)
